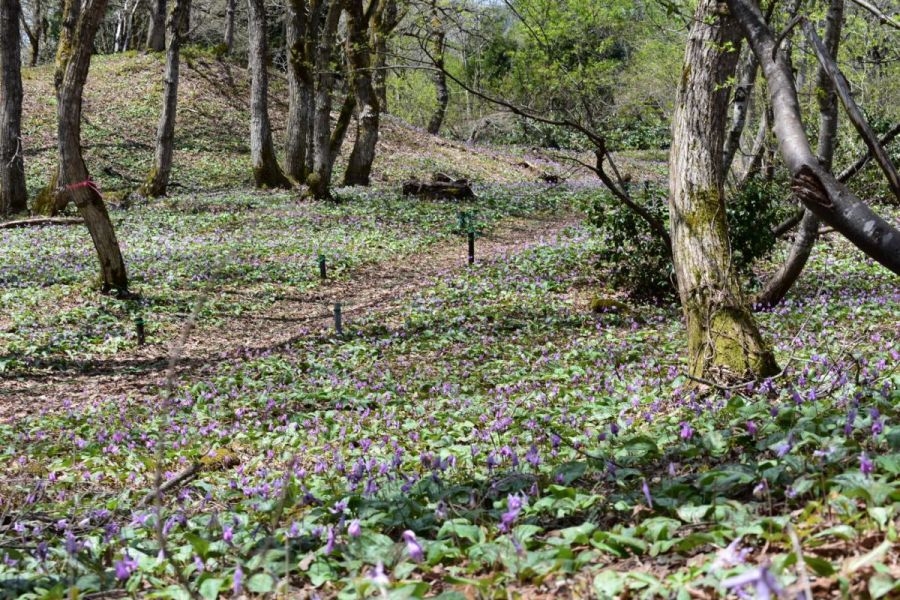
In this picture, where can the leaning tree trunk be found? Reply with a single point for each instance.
(156, 37)
(13, 194)
(815, 186)
(442, 92)
(228, 37)
(723, 339)
(300, 90)
(266, 171)
(319, 181)
(158, 180)
(781, 282)
(73, 182)
(359, 166)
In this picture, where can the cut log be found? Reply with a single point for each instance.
(442, 186)
(42, 222)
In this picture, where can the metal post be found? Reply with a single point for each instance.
(471, 246)
(139, 329)
(323, 273)
(338, 327)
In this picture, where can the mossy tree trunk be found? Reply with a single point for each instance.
(158, 181)
(386, 22)
(359, 52)
(73, 181)
(780, 283)
(724, 341)
(13, 194)
(228, 36)
(266, 171)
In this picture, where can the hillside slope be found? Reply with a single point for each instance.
(121, 109)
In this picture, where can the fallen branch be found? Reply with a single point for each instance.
(180, 478)
(882, 18)
(40, 222)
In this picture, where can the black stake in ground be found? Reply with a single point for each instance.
(338, 327)
(139, 329)
(323, 273)
(471, 246)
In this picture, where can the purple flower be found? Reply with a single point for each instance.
(238, 582)
(731, 556)
(759, 579)
(413, 547)
(646, 489)
(377, 575)
(330, 540)
(354, 529)
(866, 465)
(228, 534)
(125, 567)
(751, 428)
(687, 432)
(514, 504)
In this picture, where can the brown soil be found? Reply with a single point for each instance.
(381, 287)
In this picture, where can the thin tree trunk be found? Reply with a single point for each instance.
(266, 171)
(819, 191)
(442, 92)
(158, 180)
(228, 38)
(723, 339)
(300, 89)
(319, 181)
(13, 193)
(840, 86)
(35, 31)
(783, 280)
(743, 92)
(156, 37)
(359, 52)
(384, 26)
(73, 181)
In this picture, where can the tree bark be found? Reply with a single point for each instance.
(319, 181)
(156, 37)
(783, 280)
(384, 25)
(13, 193)
(158, 180)
(442, 92)
(819, 191)
(359, 52)
(228, 37)
(36, 30)
(73, 59)
(723, 339)
(300, 88)
(266, 171)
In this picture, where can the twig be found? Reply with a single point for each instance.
(801, 565)
(41, 222)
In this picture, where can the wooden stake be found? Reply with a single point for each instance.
(338, 326)
(139, 329)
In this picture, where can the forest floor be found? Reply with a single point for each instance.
(478, 432)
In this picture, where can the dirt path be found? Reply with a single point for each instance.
(378, 287)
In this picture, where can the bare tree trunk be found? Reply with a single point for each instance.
(13, 193)
(300, 89)
(266, 171)
(819, 191)
(743, 92)
(319, 181)
(781, 282)
(158, 180)
(36, 30)
(73, 59)
(842, 88)
(383, 27)
(156, 37)
(359, 52)
(228, 38)
(723, 339)
(442, 92)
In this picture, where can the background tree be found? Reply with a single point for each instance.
(13, 195)
(73, 181)
(158, 181)
(156, 35)
(266, 170)
(368, 111)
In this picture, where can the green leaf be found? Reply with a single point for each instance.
(821, 566)
(209, 589)
(880, 585)
(261, 583)
(608, 584)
